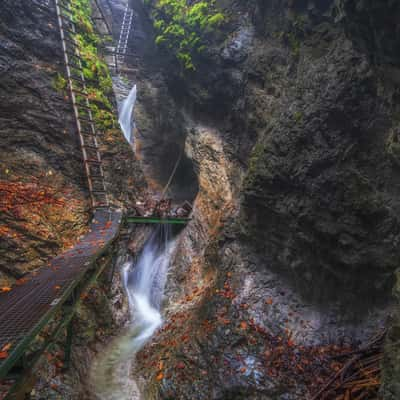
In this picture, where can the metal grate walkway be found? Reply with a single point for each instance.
(27, 308)
(81, 105)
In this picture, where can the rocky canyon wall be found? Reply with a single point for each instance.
(290, 122)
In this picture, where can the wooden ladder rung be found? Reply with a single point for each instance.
(88, 133)
(75, 78)
(71, 42)
(74, 55)
(75, 66)
(85, 107)
(70, 31)
(88, 120)
(79, 92)
(96, 162)
(87, 146)
(68, 19)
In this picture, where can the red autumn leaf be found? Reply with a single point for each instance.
(3, 355)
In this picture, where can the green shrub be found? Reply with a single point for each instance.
(184, 29)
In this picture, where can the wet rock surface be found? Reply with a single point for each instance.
(39, 146)
(291, 124)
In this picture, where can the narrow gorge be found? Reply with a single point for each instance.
(198, 199)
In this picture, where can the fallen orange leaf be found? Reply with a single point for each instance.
(160, 376)
(5, 289)
(3, 355)
(6, 347)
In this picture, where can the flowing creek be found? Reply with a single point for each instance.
(144, 282)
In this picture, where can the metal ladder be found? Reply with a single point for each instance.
(124, 34)
(81, 105)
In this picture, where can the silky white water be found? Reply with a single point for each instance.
(144, 283)
(125, 111)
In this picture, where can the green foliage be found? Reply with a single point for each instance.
(95, 70)
(184, 28)
(60, 83)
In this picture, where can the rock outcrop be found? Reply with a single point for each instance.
(291, 123)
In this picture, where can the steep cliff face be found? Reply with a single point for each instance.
(291, 123)
(321, 191)
(40, 159)
(43, 195)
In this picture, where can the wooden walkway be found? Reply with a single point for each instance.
(27, 308)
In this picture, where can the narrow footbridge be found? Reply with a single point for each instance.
(51, 295)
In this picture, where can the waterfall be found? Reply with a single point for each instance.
(144, 283)
(126, 115)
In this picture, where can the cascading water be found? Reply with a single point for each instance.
(126, 115)
(144, 283)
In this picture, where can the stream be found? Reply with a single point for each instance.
(144, 282)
